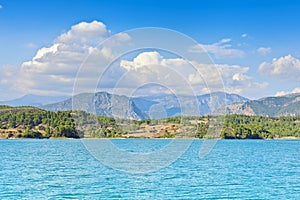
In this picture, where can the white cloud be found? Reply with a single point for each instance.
(179, 73)
(85, 33)
(285, 68)
(145, 58)
(221, 49)
(264, 50)
(282, 93)
(151, 67)
(53, 69)
(244, 35)
(44, 51)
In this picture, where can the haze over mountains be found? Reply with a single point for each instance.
(34, 100)
(155, 106)
(101, 104)
(175, 105)
(160, 106)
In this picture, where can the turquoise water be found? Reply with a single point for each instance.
(58, 169)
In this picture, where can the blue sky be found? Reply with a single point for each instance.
(266, 33)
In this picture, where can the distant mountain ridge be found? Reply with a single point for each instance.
(33, 100)
(160, 106)
(173, 104)
(155, 106)
(101, 104)
(288, 105)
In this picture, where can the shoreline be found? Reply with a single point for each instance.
(143, 138)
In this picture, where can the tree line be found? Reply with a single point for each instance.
(26, 122)
(258, 127)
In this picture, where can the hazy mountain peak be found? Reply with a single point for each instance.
(33, 100)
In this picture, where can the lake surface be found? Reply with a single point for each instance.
(234, 169)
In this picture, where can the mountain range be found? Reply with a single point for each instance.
(34, 100)
(177, 105)
(288, 105)
(100, 104)
(155, 106)
(160, 106)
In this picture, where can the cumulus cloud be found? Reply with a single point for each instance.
(264, 50)
(221, 49)
(244, 35)
(142, 60)
(85, 33)
(152, 67)
(285, 68)
(236, 80)
(53, 69)
(282, 93)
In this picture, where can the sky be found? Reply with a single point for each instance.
(47, 47)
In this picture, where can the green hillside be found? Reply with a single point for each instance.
(30, 122)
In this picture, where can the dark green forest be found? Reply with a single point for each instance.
(257, 127)
(31, 122)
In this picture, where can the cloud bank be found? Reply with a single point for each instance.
(285, 68)
(53, 69)
(151, 66)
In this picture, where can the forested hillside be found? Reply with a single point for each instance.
(256, 127)
(30, 122)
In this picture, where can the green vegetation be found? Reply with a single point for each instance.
(89, 125)
(2, 107)
(34, 123)
(31, 122)
(257, 127)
